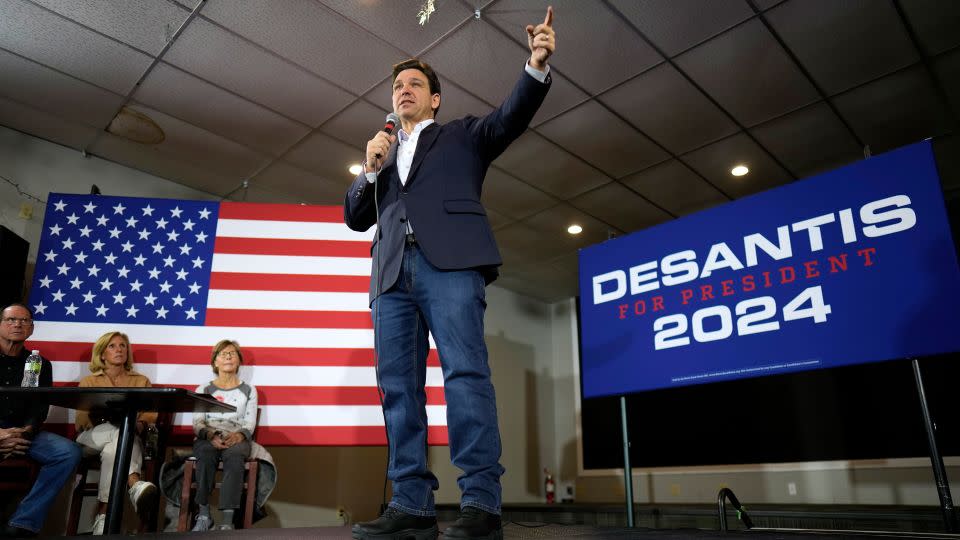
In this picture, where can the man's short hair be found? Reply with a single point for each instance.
(18, 304)
(424, 68)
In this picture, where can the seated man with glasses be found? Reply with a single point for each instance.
(20, 422)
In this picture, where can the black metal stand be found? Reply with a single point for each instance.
(939, 471)
(627, 472)
(121, 468)
(727, 493)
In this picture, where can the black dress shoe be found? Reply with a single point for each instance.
(476, 524)
(9, 531)
(396, 525)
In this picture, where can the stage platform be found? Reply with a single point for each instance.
(524, 531)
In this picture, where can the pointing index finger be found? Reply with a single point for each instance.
(548, 20)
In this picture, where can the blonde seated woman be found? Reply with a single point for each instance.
(111, 365)
(224, 436)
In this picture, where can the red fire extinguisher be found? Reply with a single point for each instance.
(549, 487)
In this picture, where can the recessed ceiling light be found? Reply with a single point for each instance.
(574, 229)
(739, 170)
(355, 169)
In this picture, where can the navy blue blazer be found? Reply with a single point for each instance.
(441, 198)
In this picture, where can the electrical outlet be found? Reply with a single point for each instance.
(342, 514)
(792, 488)
(26, 211)
(675, 490)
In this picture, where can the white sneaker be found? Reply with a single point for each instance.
(204, 523)
(142, 492)
(98, 524)
(225, 527)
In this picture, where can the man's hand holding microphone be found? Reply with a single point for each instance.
(379, 145)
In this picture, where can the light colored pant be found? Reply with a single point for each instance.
(103, 439)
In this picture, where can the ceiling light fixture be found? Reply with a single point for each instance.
(739, 170)
(355, 169)
(574, 229)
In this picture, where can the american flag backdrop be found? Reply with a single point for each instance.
(288, 282)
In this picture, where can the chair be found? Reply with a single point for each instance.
(150, 471)
(249, 485)
(17, 475)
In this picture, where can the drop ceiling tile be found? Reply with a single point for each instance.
(552, 223)
(485, 46)
(55, 93)
(47, 38)
(44, 125)
(563, 96)
(199, 149)
(809, 141)
(946, 151)
(397, 21)
(936, 23)
(894, 111)
(193, 100)
(843, 44)
(299, 184)
(665, 106)
(579, 43)
(675, 187)
(748, 74)
(947, 69)
(764, 5)
(676, 25)
(497, 220)
(548, 167)
(520, 243)
(355, 125)
(512, 197)
(620, 207)
(600, 138)
(312, 35)
(192, 173)
(326, 157)
(144, 25)
(714, 162)
(211, 53)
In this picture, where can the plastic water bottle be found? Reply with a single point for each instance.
(31, 370)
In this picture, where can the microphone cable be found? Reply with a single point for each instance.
(376, 332)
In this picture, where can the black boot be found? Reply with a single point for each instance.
(476, 524)
(396, 525)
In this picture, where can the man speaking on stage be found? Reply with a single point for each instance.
(433, 255)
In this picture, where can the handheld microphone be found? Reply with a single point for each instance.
(389, 125)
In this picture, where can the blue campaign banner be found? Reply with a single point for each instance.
(851, 266)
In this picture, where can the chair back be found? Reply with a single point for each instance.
(17, 475)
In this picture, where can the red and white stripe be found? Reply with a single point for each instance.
(289, 283)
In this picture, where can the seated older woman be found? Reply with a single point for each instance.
(111, 365)
(224, 436)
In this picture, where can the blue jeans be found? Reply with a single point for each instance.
(58, 457)
(450, 304)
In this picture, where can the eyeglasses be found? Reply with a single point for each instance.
(228, 354)
(13, 321)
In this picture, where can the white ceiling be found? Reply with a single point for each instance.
(653, 101)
